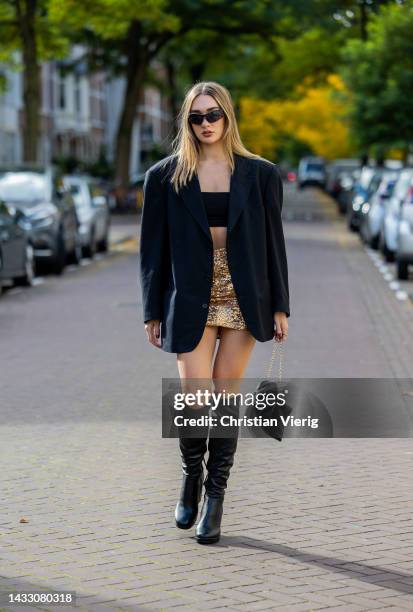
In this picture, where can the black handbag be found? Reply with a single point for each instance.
(270, 415)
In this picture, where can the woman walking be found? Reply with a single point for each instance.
(213, 267)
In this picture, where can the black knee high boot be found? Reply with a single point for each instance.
(192, 454)
(220, 461)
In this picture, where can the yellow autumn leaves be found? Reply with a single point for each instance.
(315, 115)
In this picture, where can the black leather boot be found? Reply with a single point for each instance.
(220, 460)
(192, 450)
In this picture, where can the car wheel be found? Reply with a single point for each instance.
(388, 255)
(350, 224)
(29, 267)
(59, 259)
(402, 270)
(76, 254)
(374, 242)
(90, 249)
(104, 243)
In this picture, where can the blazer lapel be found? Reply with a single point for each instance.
(240, 184)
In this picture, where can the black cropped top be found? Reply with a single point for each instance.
(216, 206)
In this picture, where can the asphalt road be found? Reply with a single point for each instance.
(308, 524)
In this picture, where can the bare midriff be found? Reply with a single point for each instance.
(219, 237)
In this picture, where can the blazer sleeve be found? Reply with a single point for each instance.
(153, 246)
(277, 258)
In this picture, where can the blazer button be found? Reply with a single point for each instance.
(204, 305)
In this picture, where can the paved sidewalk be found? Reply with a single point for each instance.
(309, 524)
(124, 227)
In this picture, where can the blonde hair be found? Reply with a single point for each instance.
(186, 147)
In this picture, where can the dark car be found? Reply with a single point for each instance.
(48, 212)
(16, 252)
(366, 185)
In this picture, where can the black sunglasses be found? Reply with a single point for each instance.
(211, 117)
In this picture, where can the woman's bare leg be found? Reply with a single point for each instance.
(195, 367)
(198, 363)
(230, 362)
(195, 371)
(233, 354)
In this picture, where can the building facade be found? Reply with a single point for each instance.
(80, 114)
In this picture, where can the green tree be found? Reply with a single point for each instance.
(126, 37)
(379, 73)
(26, 28)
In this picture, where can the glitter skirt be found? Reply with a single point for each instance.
(224, 310)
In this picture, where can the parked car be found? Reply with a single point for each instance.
(47, 212)
(347, 180)
(93, 212)
(16, 253)
(372, 212)
(366, 185)
(311, 171)
(389, 228)
(130, 198)
(335, 170)
(404, 251)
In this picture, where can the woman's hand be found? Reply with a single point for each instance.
(280, 326)
(152, 329)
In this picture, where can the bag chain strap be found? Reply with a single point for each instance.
(272, 359)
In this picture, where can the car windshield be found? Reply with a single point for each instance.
(374, 183)
(27, 188)
(78, 197)
(312, 167)
(365, 177)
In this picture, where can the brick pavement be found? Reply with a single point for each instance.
(309, 524)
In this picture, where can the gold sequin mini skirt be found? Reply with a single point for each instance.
(224, 310)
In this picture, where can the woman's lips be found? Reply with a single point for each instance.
(207, 133)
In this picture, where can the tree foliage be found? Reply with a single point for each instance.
(379, 73)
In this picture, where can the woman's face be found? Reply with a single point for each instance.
(207, 132)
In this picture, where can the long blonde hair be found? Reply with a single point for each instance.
(186, 146)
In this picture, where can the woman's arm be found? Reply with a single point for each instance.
(153, 246)
(277, 258)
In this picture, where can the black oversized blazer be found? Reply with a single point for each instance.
(176, 252)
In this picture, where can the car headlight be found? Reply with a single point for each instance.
(357, 202)
(365, 208)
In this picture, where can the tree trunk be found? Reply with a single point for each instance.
(363, 20)
(173, 94)
(26, 13)
(137, 60)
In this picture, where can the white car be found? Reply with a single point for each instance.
(311, 171)
(372, 219)
(389, 228)
(404, 253)
(93, 212)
